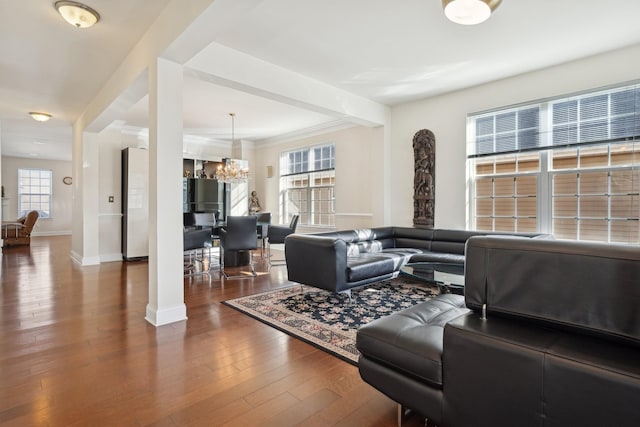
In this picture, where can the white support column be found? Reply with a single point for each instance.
(85, 158)
(166, 291)
(2, 213)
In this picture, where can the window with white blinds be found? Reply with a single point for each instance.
(568, 166)
(508, 131)
(604, 116)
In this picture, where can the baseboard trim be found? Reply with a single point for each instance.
(166, 315)
(79, 259)
(51, 233)
(110, 258)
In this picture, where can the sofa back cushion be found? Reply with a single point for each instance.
(452, 241)
(408, 237)
(592, 288)
(363, 240)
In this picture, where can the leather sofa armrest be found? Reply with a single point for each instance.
(585, 287)
(317, 261)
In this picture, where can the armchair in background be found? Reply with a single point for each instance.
(240, 234)
(18, 232)
(277, 234)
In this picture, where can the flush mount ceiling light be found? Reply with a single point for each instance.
(39, 117)
(469, 12)
(77, 14)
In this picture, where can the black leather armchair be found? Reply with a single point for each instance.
(277, 234)
(240, 234)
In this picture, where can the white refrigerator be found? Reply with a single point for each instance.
(135, 203)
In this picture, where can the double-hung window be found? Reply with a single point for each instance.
(34, 192)
(568, 166)
(307, 185)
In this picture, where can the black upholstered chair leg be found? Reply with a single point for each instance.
(237, 276)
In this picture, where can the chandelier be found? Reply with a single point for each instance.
(231, 173)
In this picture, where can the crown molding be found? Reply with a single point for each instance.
(320, 129)
(323, 128)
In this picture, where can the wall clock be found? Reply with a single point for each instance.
(67, 180)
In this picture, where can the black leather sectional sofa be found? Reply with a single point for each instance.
(342, 260)
(547, 334)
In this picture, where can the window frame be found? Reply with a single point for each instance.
(546, 150)
(42, 213)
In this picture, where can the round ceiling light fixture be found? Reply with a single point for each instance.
(77, 14)
(39, 117)
(469, 12)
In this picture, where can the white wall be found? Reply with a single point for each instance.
(355, 167)
(60, 221)
(110, 185)
(446, 116)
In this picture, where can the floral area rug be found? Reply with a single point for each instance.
(328, 320)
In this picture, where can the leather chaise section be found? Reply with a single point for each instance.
(411, 340)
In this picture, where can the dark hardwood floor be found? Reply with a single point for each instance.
(75, 350)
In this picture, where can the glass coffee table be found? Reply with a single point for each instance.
(448, 277)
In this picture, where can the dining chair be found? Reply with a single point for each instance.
(194, 240)
(277, 234)
(204, 219)
(241, 235)
(264, 221)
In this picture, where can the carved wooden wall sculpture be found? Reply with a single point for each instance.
(424, 183)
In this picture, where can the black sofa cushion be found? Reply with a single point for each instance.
(387, 261)
(363, 267)
(438, 257)
(410, 341)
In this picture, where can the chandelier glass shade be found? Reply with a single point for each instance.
(469, 12)
(231, 172)
(77, 14)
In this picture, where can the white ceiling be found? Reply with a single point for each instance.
(387, 51)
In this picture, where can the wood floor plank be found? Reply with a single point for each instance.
(75, 350)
